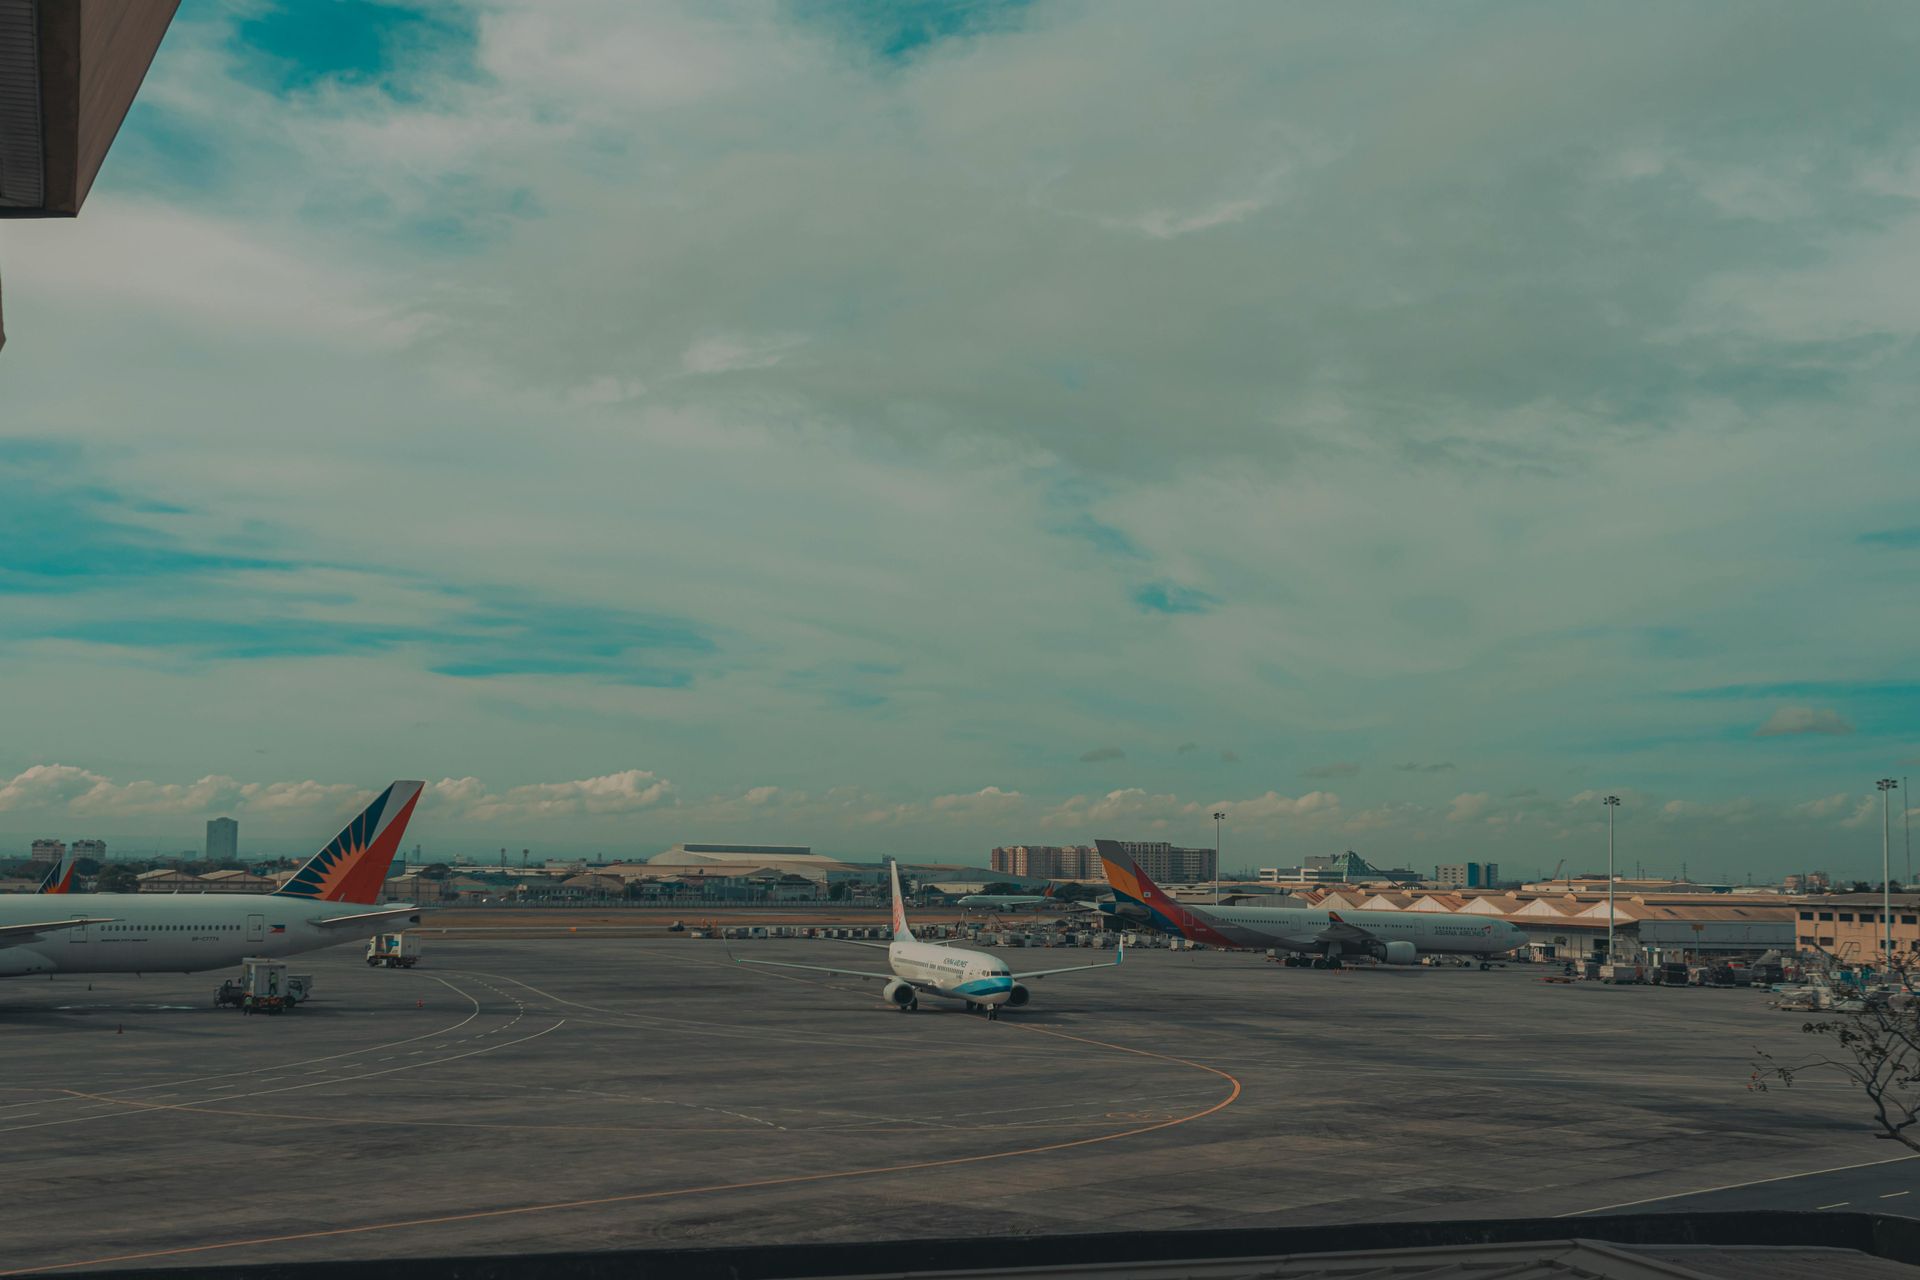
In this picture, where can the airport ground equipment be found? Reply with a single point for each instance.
(394, 950)
(264, 986)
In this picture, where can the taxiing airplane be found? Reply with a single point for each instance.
(189, 932)
(982, 981)
(1394, 937)
(1011, 901)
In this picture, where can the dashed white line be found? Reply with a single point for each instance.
(1837, 1204)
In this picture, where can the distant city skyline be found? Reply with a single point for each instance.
(992, 444)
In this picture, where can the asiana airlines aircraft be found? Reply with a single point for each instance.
(324, 904)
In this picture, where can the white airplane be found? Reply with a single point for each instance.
(952, 973)
(1393, 937)
(1011, 901)
(189, 932)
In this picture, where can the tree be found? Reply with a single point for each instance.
(117, 877)
(1876, 1049)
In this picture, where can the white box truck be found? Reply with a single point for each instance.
(394, 950)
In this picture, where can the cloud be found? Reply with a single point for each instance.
(64, 789)
(1228, 756)
(1099, 754)
(1825, 806)
(1186, 748)
(1341, 770)
(1468, 806)
(1907, 539)
(1172, 598)
(1444, 766)
(986, 801)
(629, 791)
(1274, 805)
(1790, 721)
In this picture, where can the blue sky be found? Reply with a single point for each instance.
(903, 428)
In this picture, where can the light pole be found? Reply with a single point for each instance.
(1612, 803)
(1218, 817)
(1887, 787)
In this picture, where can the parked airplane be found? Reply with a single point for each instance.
(952, 973)
(1012, 901)
(1395, 937)
(188, 932)
(59, 877)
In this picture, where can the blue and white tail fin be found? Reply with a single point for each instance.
(901, 929)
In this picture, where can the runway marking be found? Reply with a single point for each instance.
(1837, 1204)
(303, 1062)
(636, 1197)
(1736, 1186)
(1893, 1194)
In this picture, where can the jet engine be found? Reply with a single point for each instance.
(900, 993)
(1395, 952)
(1018, 997)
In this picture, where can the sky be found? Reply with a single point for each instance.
(911, 429)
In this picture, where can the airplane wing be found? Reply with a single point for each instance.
(1339, 930)
(819, 968)
(367, 917)
(1118, 956)
(856, 942)
(14, 934)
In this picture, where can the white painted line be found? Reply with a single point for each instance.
(1892, 1194)
(1837, 1204)
(1735, 1186)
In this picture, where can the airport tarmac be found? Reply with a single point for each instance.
(576, 1092)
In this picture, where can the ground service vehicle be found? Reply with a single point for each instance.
(394, 950)
(264, 986)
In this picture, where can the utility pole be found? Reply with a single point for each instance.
(1218, 817)
(1887, 787)
(1906, 821)
(1612, 803)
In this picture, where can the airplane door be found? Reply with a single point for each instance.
(77, 936)
(256, 928)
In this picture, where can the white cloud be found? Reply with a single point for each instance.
(1468, 805)
(1789, 721)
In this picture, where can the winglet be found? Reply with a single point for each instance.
(353, 867)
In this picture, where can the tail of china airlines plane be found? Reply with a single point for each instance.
(902, 932)
(354, 866)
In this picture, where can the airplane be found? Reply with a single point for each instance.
(59, 877)
(190, 932)
(1011, 901)
(1392, 937)
(918, 968)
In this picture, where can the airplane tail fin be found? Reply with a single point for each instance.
(1145, 899)
(1129, 882)
(354, 865)
(59, 877)
(1048, 891)
(901, 929)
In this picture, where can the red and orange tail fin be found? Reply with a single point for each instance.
(354, 866)
(59, 877)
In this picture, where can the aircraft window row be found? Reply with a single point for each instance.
(168, 928)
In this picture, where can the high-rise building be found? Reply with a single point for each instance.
(48, 852)
(1467, 875)
(223, 840)
(95, 849)
(1170, 864)
(1048, 861)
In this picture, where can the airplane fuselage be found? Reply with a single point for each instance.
(1301, 929)
(170, 932)
(952, 972)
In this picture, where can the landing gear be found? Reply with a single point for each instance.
(1484, 966)
(993, 1013)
